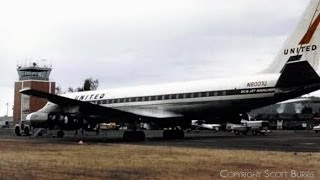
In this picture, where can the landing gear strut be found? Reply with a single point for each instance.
(134, 135)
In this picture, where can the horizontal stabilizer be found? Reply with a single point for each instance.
(297, 73)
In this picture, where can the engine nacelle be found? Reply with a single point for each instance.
(37, 119)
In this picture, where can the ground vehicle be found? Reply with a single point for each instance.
(201, 124)
(316, 128)
(109, 126)
(4, 124)
(22, 129)
(255, 127)
(229, 126)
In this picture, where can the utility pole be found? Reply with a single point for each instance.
(7, 109)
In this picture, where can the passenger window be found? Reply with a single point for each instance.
(224, 93)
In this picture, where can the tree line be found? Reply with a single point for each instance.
(89, 84)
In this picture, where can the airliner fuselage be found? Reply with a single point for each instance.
(193, 99)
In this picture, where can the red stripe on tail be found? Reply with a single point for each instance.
(312, 29)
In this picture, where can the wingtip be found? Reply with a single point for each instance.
(24, 90)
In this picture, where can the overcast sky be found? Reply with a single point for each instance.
(127, 43)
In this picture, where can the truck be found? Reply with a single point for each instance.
(254, 127)
(4, 124)
(316, 129)
(22, 129)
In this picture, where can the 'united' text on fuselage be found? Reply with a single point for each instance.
(299, 50)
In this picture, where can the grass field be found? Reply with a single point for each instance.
(24, 159)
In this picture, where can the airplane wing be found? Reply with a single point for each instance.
(131, 113)
(86, 106)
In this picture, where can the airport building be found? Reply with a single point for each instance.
(31, 76)
(6, 122)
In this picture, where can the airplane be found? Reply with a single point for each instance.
(172, 105)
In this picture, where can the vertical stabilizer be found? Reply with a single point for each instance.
(303, 43)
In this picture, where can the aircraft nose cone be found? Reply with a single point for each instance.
(29, 118)
(36, 119)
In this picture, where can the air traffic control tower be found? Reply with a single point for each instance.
(31, 76)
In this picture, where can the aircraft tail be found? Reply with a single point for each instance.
(303, 43)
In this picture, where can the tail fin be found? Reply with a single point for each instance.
(303, 43)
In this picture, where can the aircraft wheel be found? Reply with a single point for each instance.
(134, 136)
(26, 131)
(60, 134)
(126, 135)
(173, 134)
(180, 134)
(17, 131)
(141, 136)
(167, 134)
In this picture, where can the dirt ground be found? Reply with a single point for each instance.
(31, 159)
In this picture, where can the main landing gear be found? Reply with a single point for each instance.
(60, 134)
(140, 135)
(134, 136)
(173, 134)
